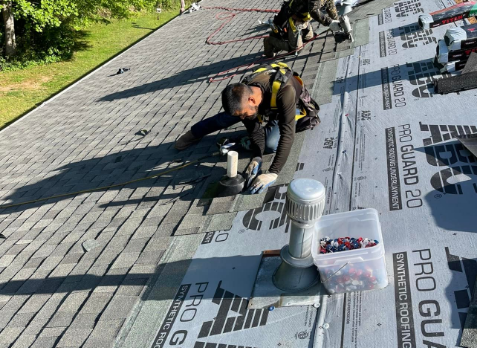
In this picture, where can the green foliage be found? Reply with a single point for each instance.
(104, 10)
(51, 44)
(50, 13)
(45, 29)
(168, 4)
(54, 13)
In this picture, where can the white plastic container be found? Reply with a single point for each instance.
(351, 270)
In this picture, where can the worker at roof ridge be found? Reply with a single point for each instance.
(292, 24)
(272, 103)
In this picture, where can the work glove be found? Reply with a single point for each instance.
(262, 182)
(335, 26)
(252, 170)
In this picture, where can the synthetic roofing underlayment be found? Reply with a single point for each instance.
(386, 142)
(167, 265)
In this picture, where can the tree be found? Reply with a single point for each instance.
(182, 7)
(9, 24)
(47, 24)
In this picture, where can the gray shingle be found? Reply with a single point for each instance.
(24, 341)
(84, 321)
(126, 260)
(74, 337)
(45, 342)
(61, 319)
(221, 205)
(96, 303)
(220, 222)
(9, 335)
(119, 307)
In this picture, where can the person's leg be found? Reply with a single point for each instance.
(294, 34)
(272, 45)
(272, 136)
(268, 48)
(331, 9)
(212, 124)
(307, 32)
(295, 37)
(204, 127)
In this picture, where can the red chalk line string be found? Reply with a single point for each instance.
(227, 18)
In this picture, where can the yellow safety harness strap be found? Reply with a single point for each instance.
(280, 77)
(292, 24)
(305, 16)
(302, 109)
(275, 88)
(301, 115)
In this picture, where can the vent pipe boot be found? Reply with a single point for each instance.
(233, 183)
(304, 206)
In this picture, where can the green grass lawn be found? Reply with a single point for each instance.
(22, 90)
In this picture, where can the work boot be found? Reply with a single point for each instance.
(185, 141)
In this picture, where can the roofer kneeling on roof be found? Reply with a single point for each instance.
(273, 104)
(292, 24)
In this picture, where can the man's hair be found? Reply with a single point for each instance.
(233, 96)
